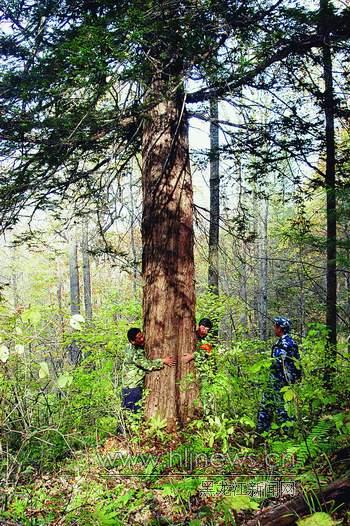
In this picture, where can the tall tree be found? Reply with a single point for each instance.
(65, 123)
(168, 265)
(326, 9)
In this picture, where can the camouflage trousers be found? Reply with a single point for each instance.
(272, 402)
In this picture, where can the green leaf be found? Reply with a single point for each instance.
(64, 380)
(288, 395)
(247, 421)
(317, 519)
(241, 502)
(4, 353)
(256, 367)
(76, 321)
(32, 316)
(44, 370)
(19, 348)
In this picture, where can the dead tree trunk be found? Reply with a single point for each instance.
(287, 514)
(167, 260)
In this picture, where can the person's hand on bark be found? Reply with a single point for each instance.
(169, 360)
(187, 357)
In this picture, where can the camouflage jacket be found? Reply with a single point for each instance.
(204, 357)
(285, 368)
(135, 366)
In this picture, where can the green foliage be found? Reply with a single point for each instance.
(212, 306)
(318, 441)
(317, 519)
(182, 490)
(156, 428)
(62, 408)
(218, 432)
(58, 407)
(241, 502)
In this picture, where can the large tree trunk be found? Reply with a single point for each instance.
(213, 270)
(331, 314)
(168, 266)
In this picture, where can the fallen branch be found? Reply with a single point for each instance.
(286, 514)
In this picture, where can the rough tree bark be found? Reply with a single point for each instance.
(167, 260)
(213, 270)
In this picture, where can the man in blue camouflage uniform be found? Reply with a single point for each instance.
(285, 370)
(134, 368)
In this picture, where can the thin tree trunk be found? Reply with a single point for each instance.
(60, 292)
(132, 231)
(86, 270)
(243, 289)
(74, 352)
(74, 276)
(347, 280)
(14, 278)
(168, 266)
(256, 267)
(301, 277)
(213, 270)
(263, 258)
(331, 314)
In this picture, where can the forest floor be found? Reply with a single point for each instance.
(168, 480)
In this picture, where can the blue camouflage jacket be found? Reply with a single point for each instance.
(285, 368)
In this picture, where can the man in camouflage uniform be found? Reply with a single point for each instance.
(202, 350)
(285, 370)
(134, 368)
(205, 363)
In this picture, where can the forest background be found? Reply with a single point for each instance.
(89, 94)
